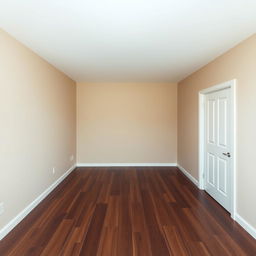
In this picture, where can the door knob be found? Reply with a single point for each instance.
(227, 154)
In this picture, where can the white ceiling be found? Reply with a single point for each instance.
(129, 40)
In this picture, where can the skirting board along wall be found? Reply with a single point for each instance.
(124, 164)
(245, 225)
(16, 220)
(195, 181)
(241, 221)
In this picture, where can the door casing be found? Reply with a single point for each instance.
(232, 85)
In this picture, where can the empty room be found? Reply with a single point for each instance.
(127, 128)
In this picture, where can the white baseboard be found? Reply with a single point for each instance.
(16, 220)
(244, 224)
(186, 173)
(124, 164)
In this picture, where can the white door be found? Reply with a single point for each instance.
(218, 146)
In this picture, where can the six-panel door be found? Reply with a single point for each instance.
(217, 146)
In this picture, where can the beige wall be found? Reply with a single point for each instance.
(238, 63)
(37, 131)
(126, 123)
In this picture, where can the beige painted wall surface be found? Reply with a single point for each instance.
(37, 131)
(238, 63)
(126, 123)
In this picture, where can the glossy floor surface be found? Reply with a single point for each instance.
(128, 211)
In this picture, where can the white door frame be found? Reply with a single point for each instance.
(232, 85)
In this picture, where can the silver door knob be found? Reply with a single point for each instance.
(227, 154)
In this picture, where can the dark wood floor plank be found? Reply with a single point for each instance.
(175, 242)
(58, 239)
(92, 238)
(158, 244)
(124, 245)
(131, 211)
(108, 243)
(141, 245)
(113, 212)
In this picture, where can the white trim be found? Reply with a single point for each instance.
(219, 87)
(124, 164)
(244, 224)
(16, 220)
(201, 137)
(232, 85)
(186, 173)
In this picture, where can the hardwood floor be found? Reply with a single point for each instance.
(128, 211)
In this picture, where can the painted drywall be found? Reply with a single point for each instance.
(126, 123)
(37, 131)
(238, 63)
